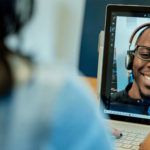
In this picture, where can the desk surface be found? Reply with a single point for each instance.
(92, 82)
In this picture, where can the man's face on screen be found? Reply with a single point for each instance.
(141, 68)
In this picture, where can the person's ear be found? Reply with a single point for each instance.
(133, 53)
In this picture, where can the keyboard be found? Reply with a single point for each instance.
(130, 140)
(133, 134)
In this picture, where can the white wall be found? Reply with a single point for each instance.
(54, 32)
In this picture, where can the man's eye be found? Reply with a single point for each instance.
(145, 55)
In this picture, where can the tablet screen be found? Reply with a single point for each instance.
(121, 22)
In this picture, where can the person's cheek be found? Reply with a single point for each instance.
(135, 67)
(138, 65)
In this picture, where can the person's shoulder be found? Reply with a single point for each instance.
(118, 96)
(122, 95)
(76, 111)
(76, 88)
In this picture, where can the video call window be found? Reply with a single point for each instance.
(124, 27)
(121, 29)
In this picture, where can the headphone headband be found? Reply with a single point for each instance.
(136, 30)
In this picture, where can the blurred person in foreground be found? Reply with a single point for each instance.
(45, 105)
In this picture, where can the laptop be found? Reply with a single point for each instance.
(122, 27)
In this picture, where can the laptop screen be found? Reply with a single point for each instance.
(121, 24)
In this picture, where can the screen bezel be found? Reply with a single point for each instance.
(108, 58)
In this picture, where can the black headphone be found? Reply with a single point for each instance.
(13, 15)
(129, 57)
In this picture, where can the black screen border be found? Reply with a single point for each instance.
(108, 58)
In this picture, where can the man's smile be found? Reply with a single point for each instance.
(145, 78)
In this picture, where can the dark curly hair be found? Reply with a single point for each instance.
(13, 16)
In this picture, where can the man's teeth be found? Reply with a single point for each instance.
(147, 77)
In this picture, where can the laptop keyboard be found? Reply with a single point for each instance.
(130, 140)
(133, 134)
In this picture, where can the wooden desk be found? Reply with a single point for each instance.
(92, 81)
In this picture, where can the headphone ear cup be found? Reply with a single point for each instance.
(6, 78)
(129, 60)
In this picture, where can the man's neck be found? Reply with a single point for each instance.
(134, 92)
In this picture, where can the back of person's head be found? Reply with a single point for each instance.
(53, 34)
(54, 30)
(13, 16)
